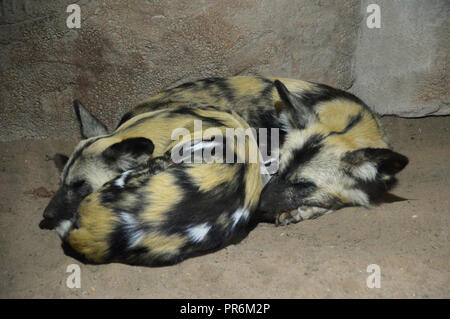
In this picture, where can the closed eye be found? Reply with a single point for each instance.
(77, 184)
(304, 183)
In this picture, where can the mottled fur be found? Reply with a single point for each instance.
(139, 207)
(181, 211)
(333, 152)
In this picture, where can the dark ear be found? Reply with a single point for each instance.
(294, 112)
(129, 153)
(60, 161)
(90, 126)
(385, 160)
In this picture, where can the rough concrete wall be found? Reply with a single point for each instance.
(126, 51)
(403, 67)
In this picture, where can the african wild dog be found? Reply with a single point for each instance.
(123, 199)
(333, 150)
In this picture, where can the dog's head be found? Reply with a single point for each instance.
(98, 158)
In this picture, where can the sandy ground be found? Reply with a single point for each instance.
(326, 257)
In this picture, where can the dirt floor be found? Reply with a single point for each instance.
(326, 257)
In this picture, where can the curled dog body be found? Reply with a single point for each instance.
(121, 186)
(333, 152)
(164, 212)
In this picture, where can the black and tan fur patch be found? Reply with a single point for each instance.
(164, 212)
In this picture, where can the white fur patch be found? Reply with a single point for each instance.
(308, 212)
(63, 228)
(197, 233)
(238, 215)
(133, 231)
(284, 122)
(305, 213)
(366, 171)
(120, 182)
(128, 219)
(357, 196)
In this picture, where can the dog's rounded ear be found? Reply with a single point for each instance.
(90, 126)
(391, 162)
(384, 160)
(129, 153)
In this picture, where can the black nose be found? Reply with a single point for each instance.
(51, 211)
(47, 223)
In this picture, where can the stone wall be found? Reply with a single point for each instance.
(126, 51)
(402, 68)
